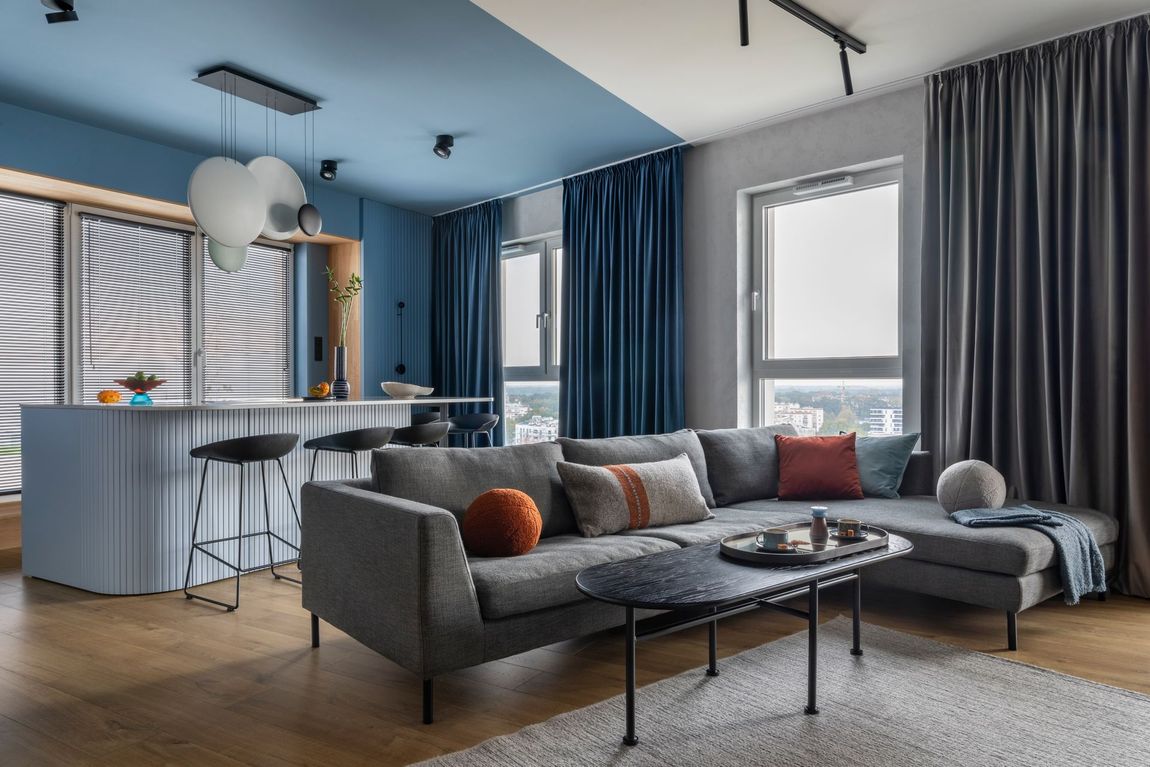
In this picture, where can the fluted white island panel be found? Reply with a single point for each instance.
(109, 492)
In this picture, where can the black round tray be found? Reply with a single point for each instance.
(743, 547)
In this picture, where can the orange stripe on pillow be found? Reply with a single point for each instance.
(635, 493)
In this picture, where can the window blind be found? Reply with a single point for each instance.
(247, 327)
(32, 328)
(135, 307)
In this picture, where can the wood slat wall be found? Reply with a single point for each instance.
(344, 259)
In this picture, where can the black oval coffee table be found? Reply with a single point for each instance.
(698, 585)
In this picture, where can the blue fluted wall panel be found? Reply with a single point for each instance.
(396, 267)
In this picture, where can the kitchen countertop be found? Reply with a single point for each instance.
(265, 404)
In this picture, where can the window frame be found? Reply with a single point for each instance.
(73, 292)
(549, 287)
(765, 370)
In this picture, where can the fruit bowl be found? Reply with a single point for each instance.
(398, 390)
(140, 388)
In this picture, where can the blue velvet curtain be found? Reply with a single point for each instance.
(622, 323)
(468, 355)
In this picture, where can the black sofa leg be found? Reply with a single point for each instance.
(428, 704)
(1011, 630)
(314, 630)
(1101, 596)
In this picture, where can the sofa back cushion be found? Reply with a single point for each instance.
(743, 464)
(451, 478)
(643, 449)
(919, 477)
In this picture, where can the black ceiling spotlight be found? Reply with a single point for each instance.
(63, 10)
(443, 144)
(328, 169)
(844, 39)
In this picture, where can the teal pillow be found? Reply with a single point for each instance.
(882, 462)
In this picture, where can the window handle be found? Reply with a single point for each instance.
(754, 300)
(546, 320)
(538, 319)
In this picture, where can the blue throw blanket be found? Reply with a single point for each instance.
(1083, 571)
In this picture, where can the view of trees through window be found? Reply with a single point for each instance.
(828, 406)
(532, 411)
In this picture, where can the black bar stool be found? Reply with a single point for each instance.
(240, 452)
(350, 442)
(471, 424)
(421, 434)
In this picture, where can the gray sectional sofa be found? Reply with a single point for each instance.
(384, 561)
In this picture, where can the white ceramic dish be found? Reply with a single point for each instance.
(398, 390)
(227, 201)
(284, 195)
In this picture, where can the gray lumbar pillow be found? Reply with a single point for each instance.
(971, 485)
(609, 499)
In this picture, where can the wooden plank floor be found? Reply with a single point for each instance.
(159, 680)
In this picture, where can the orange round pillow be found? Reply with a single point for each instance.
(502, 523)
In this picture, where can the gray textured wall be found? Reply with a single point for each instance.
(533, 214)
(719, 178)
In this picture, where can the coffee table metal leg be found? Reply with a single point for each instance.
(713, 641)
(630, 738)
(812, 647)
(856, 589)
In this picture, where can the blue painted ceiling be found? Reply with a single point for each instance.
(389, 75)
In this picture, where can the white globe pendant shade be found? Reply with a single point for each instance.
(283, 194)
(227, 201)
(226, 257)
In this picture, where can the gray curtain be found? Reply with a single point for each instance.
(1036, 274)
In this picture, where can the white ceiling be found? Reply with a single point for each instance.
(680, 63)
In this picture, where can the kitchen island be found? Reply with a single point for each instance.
(109, 491)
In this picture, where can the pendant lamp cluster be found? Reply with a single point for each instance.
(235, 203)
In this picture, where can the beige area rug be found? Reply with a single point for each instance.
(907, 701)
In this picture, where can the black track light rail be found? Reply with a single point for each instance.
(839, 35)
(809, 17)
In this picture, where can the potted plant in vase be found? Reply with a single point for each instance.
(344, 295)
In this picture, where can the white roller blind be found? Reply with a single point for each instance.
(247, 327)
(135, 307)
(31, 318)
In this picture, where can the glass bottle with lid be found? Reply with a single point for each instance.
(819, 531)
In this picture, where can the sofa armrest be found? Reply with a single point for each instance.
(919, 478)
(391, 573)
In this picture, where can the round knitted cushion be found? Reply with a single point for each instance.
(502, 523)
(971, 485)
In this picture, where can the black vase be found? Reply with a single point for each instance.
(340, 388)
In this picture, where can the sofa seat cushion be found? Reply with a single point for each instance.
(452, 477)
(1013, 551)
(725, 522)
(545, 576)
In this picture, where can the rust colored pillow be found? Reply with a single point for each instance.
(818, 468)
(501, 523)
